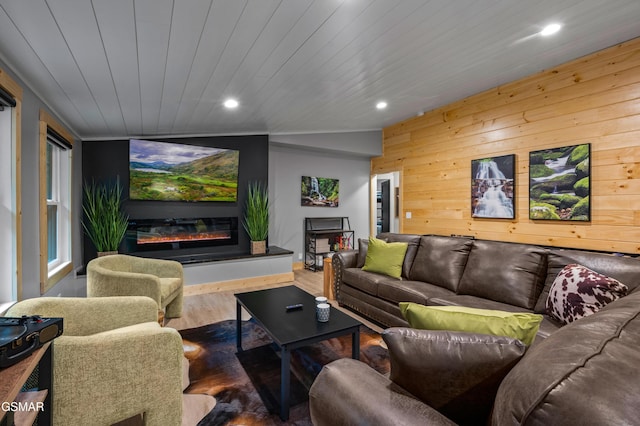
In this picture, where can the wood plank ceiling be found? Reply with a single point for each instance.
(121, 68)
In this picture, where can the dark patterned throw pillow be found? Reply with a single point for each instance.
(578, 292)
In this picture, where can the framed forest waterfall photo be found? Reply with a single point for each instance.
(559, 183)
(493, 187)
(320, 192)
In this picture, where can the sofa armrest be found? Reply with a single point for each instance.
(133, 370)
(349, 392)
(85, 316)
(456, 373)
(341, 261)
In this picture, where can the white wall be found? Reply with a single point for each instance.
(287, 165)
(366, 143)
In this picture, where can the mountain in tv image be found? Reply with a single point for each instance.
(179, 172)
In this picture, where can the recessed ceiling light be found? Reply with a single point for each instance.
(231, 103)
(381, 105)
(550, 29)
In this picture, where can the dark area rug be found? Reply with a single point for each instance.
(247, 385)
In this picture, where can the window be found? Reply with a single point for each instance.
(10, 192)
(55, 202)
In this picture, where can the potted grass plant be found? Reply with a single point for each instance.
(256, 216)
(104, 221)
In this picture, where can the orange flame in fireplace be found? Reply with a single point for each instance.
(187, 236)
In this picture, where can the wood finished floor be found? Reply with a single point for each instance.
(203, 309)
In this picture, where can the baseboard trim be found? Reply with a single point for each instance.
(192, 290)
(298, 266)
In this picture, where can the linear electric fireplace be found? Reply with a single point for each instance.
(174, 234)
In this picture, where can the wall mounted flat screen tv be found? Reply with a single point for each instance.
(168, 171)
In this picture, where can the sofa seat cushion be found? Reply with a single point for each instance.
(441, 260)
(586, 373)
(382, 312)
(578, 292)
(456, 373)
(473, 302)
(548, 326)
(624, 269)
(363, 280)
(518, 325)
(505, 272)
(409, 291)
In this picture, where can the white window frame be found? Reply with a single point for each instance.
(60, 197)
(61, 165)
(8, 291)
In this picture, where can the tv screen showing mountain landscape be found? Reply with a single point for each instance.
(178, 172)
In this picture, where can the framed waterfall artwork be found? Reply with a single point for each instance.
(559, 183)
(320, 192)
(493, 187)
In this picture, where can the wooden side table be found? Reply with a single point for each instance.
(11, 380)
(327, 267)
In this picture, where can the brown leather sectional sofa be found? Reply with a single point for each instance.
(484, 274)
(583, 373)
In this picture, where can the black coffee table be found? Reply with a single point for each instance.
(293, 329)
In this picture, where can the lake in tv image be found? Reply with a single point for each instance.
(179, 172)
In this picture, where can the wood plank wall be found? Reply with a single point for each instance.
(593, 99)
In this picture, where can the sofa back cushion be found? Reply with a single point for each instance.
(116, 262)
(624, 269)
(586, 373)
(441, 260)
(411, 239)
(363, 246)
(505, 272)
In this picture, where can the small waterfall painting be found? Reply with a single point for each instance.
(559, 182)
(320, 192)
(492, 187)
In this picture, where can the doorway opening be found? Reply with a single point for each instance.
(385, 202)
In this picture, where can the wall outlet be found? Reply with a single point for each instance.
(407, 215)
(299, 256)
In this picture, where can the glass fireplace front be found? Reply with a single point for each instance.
(174, 234)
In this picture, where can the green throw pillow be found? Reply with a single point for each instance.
(522, 326)
(385, 258)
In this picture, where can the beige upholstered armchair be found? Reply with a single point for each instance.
(112, 362)
(123, 275)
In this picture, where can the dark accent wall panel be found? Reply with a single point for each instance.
(106, 161)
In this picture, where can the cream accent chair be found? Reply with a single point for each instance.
(112, 362)
(123, 275)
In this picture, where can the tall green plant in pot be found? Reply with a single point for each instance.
(104, 221)
(256, 216)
